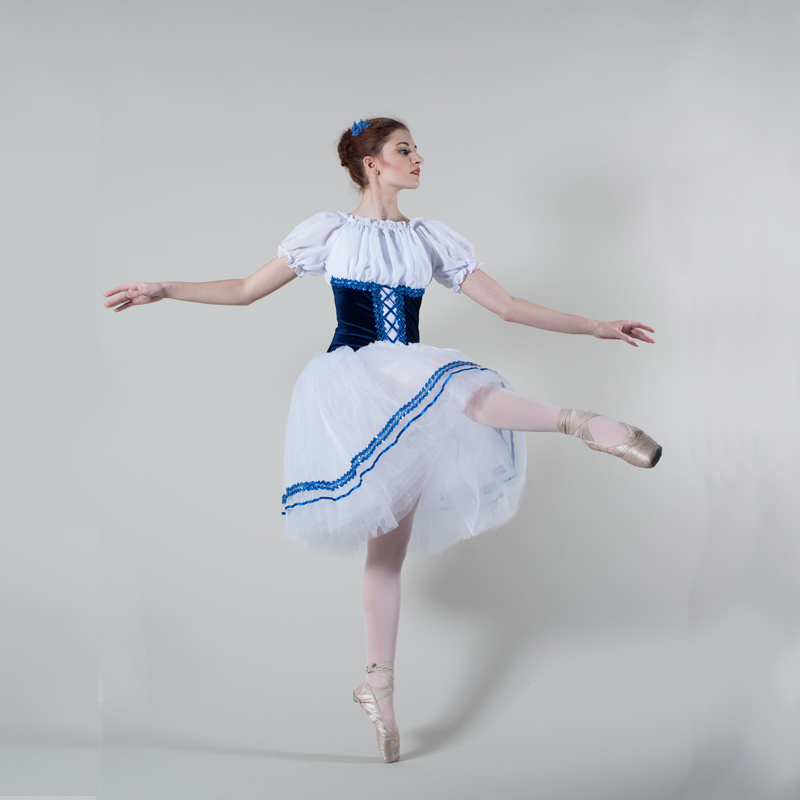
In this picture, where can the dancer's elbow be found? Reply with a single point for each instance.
(507, 310)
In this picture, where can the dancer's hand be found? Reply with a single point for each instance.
(624, 329)
(135, 294)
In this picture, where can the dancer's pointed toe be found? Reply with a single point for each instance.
(638, 449)
(368, 697)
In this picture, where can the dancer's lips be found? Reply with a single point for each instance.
(415, 172)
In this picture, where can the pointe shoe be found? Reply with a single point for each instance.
(639, 449)
(368, 696)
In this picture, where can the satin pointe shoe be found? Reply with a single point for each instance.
(639, 449)
(368, 696)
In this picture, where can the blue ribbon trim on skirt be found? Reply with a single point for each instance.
(381, 437)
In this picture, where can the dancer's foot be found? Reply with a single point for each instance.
(637, 448)
(604, 430)
(387, 736)
(385, 704)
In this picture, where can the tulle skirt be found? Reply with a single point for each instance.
(371, 430)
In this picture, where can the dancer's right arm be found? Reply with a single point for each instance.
(229, 292)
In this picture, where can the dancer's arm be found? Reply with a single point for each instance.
(229, 292)
(486, 291)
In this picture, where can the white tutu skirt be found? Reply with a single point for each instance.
(371, 429)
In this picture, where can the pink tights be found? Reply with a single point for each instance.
(380, 596)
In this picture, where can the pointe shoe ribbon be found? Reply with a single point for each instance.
(639, 449)
(567, 425)
(385, 670)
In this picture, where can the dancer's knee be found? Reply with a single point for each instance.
(478, 405)
(390, 548)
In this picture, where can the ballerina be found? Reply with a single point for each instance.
(392, 445)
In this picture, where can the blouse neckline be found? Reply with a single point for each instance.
(368, 222)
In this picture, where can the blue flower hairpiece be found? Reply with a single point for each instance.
(359, 126)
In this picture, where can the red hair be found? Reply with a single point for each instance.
(354, 149)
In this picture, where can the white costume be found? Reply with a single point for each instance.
(378, 418)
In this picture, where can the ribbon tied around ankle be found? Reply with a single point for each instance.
(385, 669)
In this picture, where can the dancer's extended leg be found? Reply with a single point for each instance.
(512, 411)
(380, 598)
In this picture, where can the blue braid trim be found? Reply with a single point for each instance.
(370, 285)
(382, 436)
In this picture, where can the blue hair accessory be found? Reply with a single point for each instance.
(359, 126)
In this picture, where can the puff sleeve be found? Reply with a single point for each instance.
(453, 257)
(308, 244)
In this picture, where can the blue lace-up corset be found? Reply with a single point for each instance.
(369, 312)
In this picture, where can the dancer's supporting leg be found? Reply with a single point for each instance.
(511, 411)
(380, 598)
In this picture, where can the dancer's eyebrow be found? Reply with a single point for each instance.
(405, 143)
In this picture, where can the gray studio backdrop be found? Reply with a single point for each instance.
(631, 633)
(51, 387)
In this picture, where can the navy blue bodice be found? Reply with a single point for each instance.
(369, 312)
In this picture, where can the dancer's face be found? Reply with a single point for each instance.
(399, 161)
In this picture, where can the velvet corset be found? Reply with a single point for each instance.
(369, 312)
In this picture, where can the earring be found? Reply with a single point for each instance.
(377, 172)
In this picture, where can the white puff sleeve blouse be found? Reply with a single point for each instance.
(308, 244)
(340, 245)
(452, 256)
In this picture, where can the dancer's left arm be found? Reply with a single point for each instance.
(487, 292)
